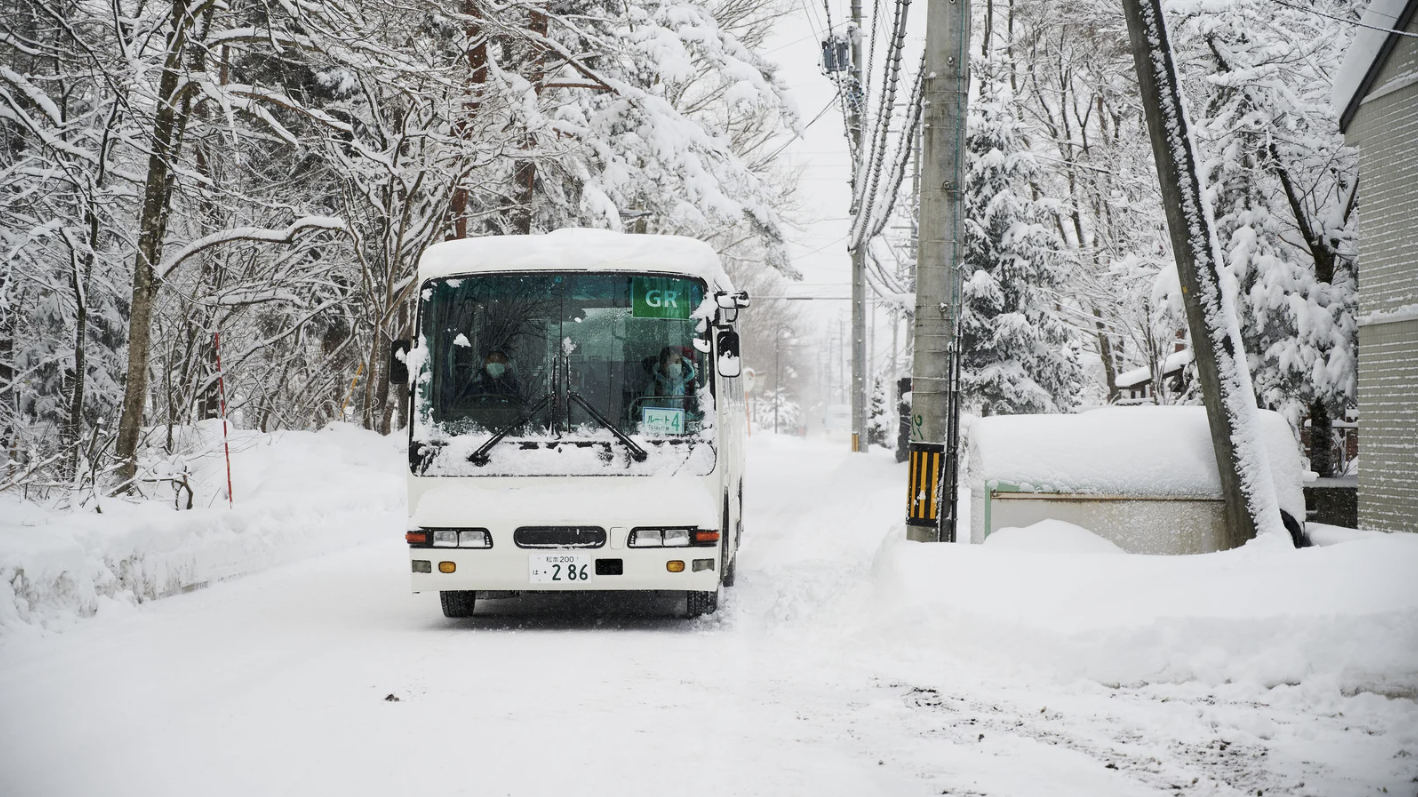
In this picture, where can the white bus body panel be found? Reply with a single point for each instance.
(614, 503)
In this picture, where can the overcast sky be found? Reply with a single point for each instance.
(819, 248)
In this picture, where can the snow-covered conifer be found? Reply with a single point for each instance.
(1017, 352)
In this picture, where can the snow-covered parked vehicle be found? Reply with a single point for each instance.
(576, 418)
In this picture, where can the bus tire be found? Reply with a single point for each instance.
(458, 602)
(727, 579)
(726, 564)
(738, 527)
(700, 603)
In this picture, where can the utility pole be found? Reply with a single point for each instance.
(855, 102)
(1246, 483)
(935, 367)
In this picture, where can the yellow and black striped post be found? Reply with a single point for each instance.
(927, 462)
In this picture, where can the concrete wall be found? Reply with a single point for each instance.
(1137, 525)
(1386, 130)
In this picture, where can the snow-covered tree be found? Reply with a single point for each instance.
(271, 172)
(777, 410)
(1069, 73)
(1283, 187)
(673, 140)
(881, 414)
(1017, 352)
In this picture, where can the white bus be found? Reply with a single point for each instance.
(576, 420)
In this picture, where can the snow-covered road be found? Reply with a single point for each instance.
(327, 677)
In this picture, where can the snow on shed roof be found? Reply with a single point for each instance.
(1367, 52)
(1174, 362)
(575, 250)
(1138, 451)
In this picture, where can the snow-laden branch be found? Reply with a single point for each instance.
(286, 236)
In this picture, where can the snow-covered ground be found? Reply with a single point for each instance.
(297, 494)
(846, 661)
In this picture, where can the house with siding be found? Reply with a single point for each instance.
(1376, 93)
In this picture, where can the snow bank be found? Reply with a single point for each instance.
(1345, 615)
(298, 494)
(1051, 536)
(1325, 534)
(1139, 451)
(591, 250)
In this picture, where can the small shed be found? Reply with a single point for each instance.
(1143, 477)
(1135, 386)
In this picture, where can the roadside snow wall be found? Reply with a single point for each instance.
(1341, 616)
(1142, 477)
(298, 494)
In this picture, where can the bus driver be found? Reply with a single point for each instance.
(671, 380)
(495, 378)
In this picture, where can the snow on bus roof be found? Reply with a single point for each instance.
(1140, 451)
(575, 250)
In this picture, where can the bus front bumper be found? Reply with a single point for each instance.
(599, 569)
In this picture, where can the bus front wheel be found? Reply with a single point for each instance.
(700, 603)
(458, 602)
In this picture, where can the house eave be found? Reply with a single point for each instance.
(1351, 108)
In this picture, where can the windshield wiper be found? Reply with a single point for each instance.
(636, 452)
(480, 457)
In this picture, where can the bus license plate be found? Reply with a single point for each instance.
(560, 568)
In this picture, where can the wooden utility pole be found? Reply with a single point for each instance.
(856, 98)
(934, 368)
(1246, 483)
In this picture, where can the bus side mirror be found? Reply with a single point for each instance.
(729, 363)
(731, 304)
(399, 361)
(731, 301)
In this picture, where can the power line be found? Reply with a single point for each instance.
(866, 193)
(824, 110)
(827, 245)
(907, 143)
(1355, 23)
(871, 50)
(812, 20)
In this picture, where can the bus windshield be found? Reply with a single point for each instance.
(576, 370)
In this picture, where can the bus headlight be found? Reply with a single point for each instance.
(445, 538)
(645, 538)
(476, 538)
(676, 538)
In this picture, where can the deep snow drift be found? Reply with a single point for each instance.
(297, 494)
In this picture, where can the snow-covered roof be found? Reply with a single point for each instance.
(1137, 451)
(1175, 361)
(1367, 53)
(575, 250)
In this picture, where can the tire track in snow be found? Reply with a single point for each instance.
(1173, 755)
